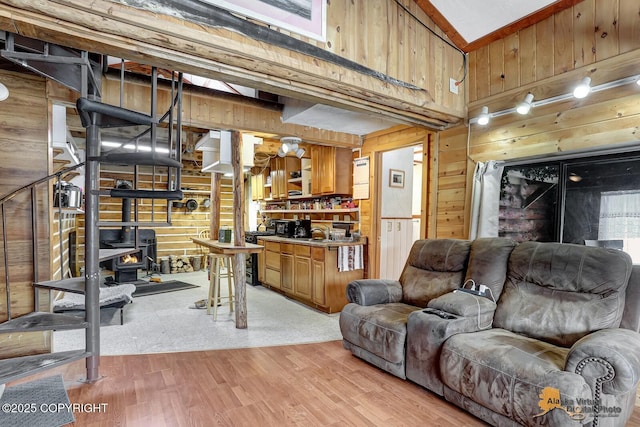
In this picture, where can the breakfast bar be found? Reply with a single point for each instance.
(239, 253)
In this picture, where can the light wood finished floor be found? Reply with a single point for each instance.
(309, 385)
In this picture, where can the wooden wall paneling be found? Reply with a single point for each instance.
(472, 78)
(392, 21)
(606, 29)
(377, 36)
(527, 55)
(483, 73)
(433, 163)
(24, 158)
(545, 41)
(452, 183)
(563, 42)
(628, 29)
(496, 67)
(606, 122)
(424, 72)
(576, 37)
(584, 41)
(512, 61)
(439, 72)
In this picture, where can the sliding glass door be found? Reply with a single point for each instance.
(593, 201)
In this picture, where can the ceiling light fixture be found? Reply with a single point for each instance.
(484, 117)
(290, 144)
(300, 152)
(525, 106)
(583, 89)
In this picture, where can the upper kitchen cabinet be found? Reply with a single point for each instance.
(281, 173)
(331, 170)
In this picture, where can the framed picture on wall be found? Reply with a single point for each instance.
(305, 17)
(396, 178)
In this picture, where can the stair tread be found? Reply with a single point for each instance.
(146, 194)
(20, 367)
(74, 285)
(145, 159)
(41, 321)
(106, 115)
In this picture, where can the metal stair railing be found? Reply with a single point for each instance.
(92, 114)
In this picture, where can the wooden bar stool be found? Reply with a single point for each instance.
(217, 263)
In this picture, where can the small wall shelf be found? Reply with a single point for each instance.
(310, 211)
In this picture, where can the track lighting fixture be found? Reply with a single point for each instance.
(583, 89)
(580, 91)
(525, 106)
(483, 118)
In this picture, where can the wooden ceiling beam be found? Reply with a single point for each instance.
(106, 27)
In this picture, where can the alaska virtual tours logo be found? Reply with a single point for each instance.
(577, 409)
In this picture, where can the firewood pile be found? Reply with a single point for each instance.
(180, 264)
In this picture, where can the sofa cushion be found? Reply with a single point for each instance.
(433, 268)
(507, 373)
(488, 261)
(380, 329)
(561, 292)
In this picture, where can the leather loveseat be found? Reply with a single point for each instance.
(555, 342)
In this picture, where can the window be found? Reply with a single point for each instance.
(619, 222)
(593, 201)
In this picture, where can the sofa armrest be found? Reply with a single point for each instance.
(609, 357)
(464, 304)
(374, 291)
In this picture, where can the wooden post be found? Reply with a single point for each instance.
(239, 264)
(214, 225)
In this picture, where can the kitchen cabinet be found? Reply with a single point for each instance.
(258, 186)
(281, 181)
(317, 274)
(272, 264)
(302, 272)
(331, 170)
(287, 263)
(261, 263)
(307, 271)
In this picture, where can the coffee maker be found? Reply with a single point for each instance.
(302, 228)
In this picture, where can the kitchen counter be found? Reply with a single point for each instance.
(325, 243)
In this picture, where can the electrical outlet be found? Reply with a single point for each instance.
(453, 87)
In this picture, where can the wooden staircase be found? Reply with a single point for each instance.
(94, 115)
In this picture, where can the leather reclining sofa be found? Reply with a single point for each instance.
(555, 341)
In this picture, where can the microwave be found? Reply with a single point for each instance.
(285, 228)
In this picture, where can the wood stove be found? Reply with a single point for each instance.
(125, 268)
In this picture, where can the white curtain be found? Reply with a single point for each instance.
(485, 199)
(619, 215)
